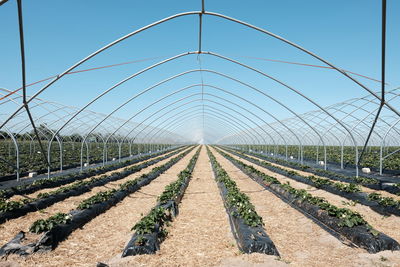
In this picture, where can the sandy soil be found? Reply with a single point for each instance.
(388, 225)
(107, 234)
(300, 241)
(201, 234)
(10, 228)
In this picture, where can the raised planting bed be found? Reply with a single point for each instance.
(246, 224)
(69, 178)
(45, 234)
(345, 222)
(151, 230)
(14, 209)
(378, 203)
(369, 182)
(365, 181)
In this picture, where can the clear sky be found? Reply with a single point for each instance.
(59, 33)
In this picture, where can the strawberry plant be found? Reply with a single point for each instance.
(238, 201)
(10, 205)
(42, 225)
(158, 217)
(346, 216)
(384, 201)
(97, 198)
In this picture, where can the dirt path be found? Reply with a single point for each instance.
(202, 221)
(388, 225)
(107, 234)
(46, 190)
(10, 228)
(299, 240)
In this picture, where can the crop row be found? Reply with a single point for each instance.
(151, 230)
(72, 177)
(377, 202)
(371, 157)
(49, 232)
(31, 159)
(246, 224)
(365, 181)
(14, 209)
(346, 222)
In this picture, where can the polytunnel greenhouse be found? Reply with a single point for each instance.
(199, 133)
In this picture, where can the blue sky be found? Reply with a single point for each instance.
(59, 33)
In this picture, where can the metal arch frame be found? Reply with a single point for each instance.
(350, 114)
(293, 123)
(156, 127)
(256, 124)
(239, 106)
(116, 85)
(200, 13)
(352, 129)
(213, 123)
(158, 100)
(170, 94)
(229, 117)
(169, 79)
(208, 53)
(52, 112)
(369, 114)
(126, 136)
(223, 75)
(381, 148)
(262, 92)
(232, 117)
(152, 87)
(350, 103)
(303, 96)
(179, 121)
(59, 106)
(361, 107)
(239, 125)
(271, 115)
(217, 115)
(221, 16)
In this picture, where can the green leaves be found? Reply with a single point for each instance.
(42, 225)
(349, 188)
(159, 217)
(238, 201)
(10, 205)
(98, 198)
(346, 216)
(384, 201)
(156, 218)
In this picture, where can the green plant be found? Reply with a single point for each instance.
(42, 225)
(157, 217)
(238, 201)
(97, 198)
(346, 216)
(384, 201)
(10, 205)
